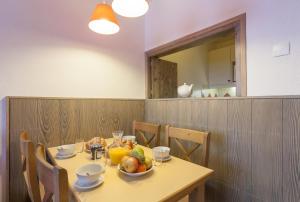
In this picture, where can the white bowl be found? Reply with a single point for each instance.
(89, 174)
(161, 152)
(129, 137)
(66, 150)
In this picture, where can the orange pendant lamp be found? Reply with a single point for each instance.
(103, 20)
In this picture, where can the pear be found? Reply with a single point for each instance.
(139, 150)
(136, 154)
(148, 162)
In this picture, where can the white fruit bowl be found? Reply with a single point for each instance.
(135, 174)
(89, 174)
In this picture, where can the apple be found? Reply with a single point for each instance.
(123, 161)
(141, 168)
(130, 164)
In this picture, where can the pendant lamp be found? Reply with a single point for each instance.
(103, 20)
(130, 8)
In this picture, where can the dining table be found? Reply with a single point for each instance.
(168, 181)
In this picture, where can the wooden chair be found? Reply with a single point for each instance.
(29, 167)
(198, 137)
(141, 128)
(53, 178)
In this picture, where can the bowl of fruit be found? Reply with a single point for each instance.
(135, 163)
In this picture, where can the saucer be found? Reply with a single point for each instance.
(168, 158)
(77, 185)
(59, 156)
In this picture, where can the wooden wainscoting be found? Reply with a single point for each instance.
(254, 146)
(57, 121)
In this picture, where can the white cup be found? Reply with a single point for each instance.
(129, 138)
(66, 150)
(161, 152)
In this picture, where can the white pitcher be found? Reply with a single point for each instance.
(185, 90)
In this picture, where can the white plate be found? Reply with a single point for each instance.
(87, 187)
(59, 156)
(135, 174)
(168, 158)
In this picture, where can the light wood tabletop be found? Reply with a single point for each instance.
(169, 181)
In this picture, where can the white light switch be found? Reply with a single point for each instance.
(281, 49)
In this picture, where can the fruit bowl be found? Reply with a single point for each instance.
(135, 174)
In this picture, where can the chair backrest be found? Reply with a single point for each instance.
(198, 137)
(53, 178)
(140, 128)
(29, 167)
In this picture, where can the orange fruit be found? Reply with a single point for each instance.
(141, 168)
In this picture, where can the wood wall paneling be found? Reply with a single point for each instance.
(5, 153)
(254, 141)
(217, 191)
(291, 150)
(61, 121)
(239, 144)
(26, 118)
(267, 149)
(48, 117)
(150, 112)
(217, 125)
(69, 121)
(172, 112)
(254, 144)
(199, 109)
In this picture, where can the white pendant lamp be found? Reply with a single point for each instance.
(130, 8)
(103, 20)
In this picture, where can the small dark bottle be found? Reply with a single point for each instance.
(96, 151)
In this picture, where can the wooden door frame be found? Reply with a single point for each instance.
(237, 23)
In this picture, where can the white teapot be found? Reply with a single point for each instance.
(185, 90)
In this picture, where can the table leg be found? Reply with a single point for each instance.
(198, 195)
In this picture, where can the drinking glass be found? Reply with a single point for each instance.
(117, 135)
(79, 145)
(158, 158)
(105, 157)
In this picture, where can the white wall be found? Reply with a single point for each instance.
(46, 49)
(192, 67)
(268, 22)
